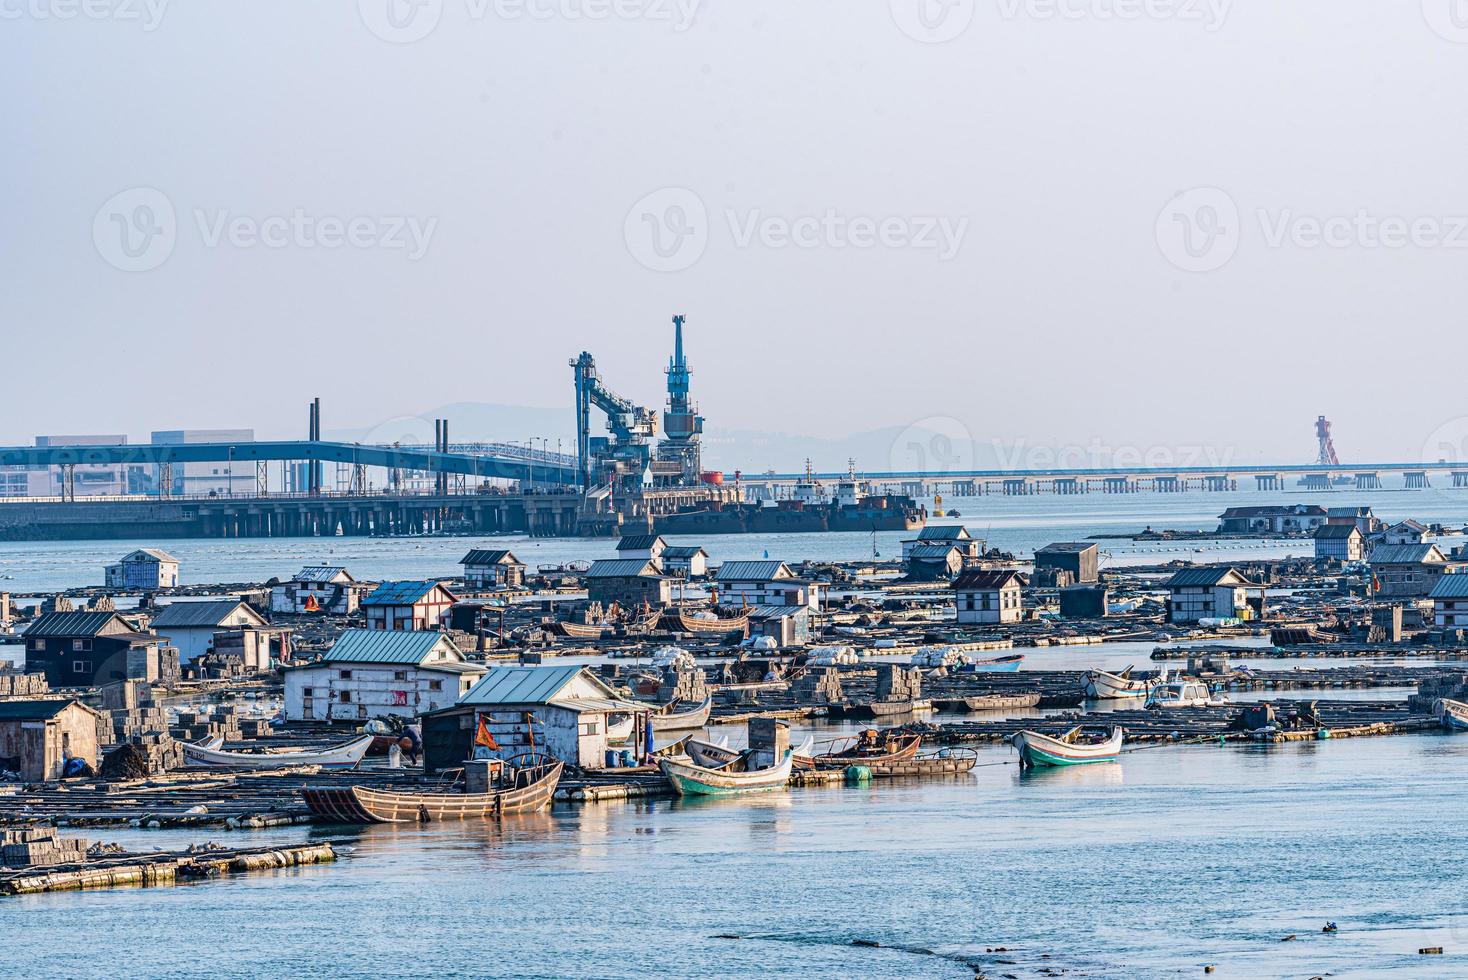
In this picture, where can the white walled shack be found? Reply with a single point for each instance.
(190, 626)
(372, 673)
(562, 711)
(318, 588)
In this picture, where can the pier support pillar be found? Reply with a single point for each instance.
(1416, 480)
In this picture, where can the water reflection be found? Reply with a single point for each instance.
(1090, 775)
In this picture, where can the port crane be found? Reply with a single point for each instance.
(623, 457)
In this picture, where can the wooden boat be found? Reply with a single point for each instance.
(1103, 686)
(945, 762)
(996, 665)
(989, 702)
(668, 720)
(580, 631)
(683, 623)
(851, 753)
(344, 756)
(728, 780)
(619, 728)
(212, 742)
(1067, 750)
(525, 784)
(872, 709)
(1452, 715)
(713, 755)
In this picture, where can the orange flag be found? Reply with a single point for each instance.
(311, 604)
(482, 737)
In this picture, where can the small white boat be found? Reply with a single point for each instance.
(344, 756)
(620, 730)
(669, 720)
(1184, 694)
(1452, 715)
(1069, 749)
(1103, 686)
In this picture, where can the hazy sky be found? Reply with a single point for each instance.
(873, 214)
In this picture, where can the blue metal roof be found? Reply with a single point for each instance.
(400, 593)
(1450, 587)
(522, 685)
(1196, 577)
(384, 646)
(752, 571)
(620, 568)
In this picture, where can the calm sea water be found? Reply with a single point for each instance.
(1174, 858)
(1017, 524)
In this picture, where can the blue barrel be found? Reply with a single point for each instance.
(627, 762)
(611, 758)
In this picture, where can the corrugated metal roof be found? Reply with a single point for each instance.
(1195, 577)
(1335, 531)
(684, 551)
(1066, 548)
(986, 579)
(930, 551)
(524, 685)
(320, 573)
(620, 568)
(157, 554)
(400, 593)
(384, 646)
(1407, 554)
(1450, 587)
(489, 556)
(944, 532)
(753, 571)
(638, 542)
(70, 624)
(211, 613)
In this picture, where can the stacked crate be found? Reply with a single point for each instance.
(18, 685)
(131, 715)
(207, 721)
(1451, 684)
(30, 847)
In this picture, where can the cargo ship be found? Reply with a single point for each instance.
(808, 510)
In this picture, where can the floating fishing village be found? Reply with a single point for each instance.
(336, 697)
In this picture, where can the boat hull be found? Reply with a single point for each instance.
(1101, 686)
(955, 762)
(691, 780)
(1036, 750)
(907, 750)
(1452, 715)
(345, 756)
(684, 720)
(359, 804)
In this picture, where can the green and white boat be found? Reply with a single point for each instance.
(734, 778)
(1070, 749)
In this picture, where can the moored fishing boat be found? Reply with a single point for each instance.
(669, 720)
(344, 756)
(731, 779)
(944, 762)
(712, 755)
(686, 623)
(1036, 749)
(1452, 715)
(868, 749)
(1101, 685)
(994, 665)
(1184, 694)
(524, 784)
(988, 702)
